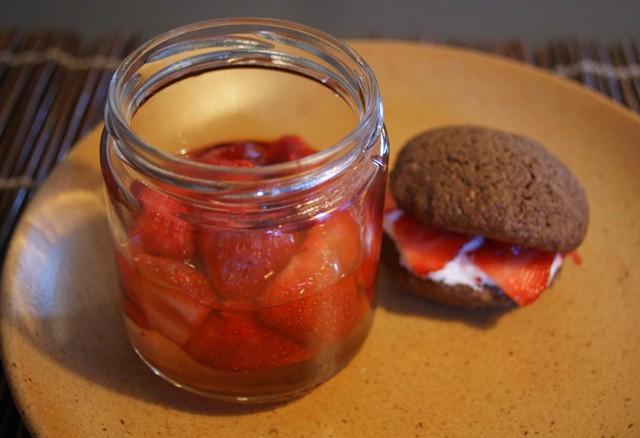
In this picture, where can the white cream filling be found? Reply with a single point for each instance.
(556, 264)
(460, 270)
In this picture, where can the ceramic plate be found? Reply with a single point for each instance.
(567, 365)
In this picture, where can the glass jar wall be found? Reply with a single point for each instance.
(245, 166)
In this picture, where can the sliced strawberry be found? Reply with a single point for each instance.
(153, 200)
(128, 275)
(130, 283)
(575, 257)
(231, 163)
(235, 342)
(170, 274)
(367, 274)
(164, 235)
(159, 227)
(331, 250)
(134, 313)
(423, 249)
(522, 273)
(241, 262)
(326, 316)
(389, 202)
(238, 154)
(175, 298)
(288, 148)
(251, 153)
(374, 204)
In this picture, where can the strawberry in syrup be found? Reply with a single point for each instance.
(250, 153)
(174, 297)
(240, 263)
(331, 250)
(238, 154)
(238, 299)
(160, 226)
(287, 148)
(322, 317)
(234, 342)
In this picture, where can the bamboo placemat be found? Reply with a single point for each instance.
(53, 88)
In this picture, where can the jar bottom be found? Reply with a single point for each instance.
(252, 387)
(236, 399)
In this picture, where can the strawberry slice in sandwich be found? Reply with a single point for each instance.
(480, 218)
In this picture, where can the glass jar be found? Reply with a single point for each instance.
(249, 276)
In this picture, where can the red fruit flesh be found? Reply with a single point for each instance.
(522, 273)
(324, 317)
(250, 153)
(175, 298)
(234, 342)
(134, 313)
(331, 251)
(130, 281)
(129, 276)
(368, 272)
(230, 163)
(373, 206)
(288, 148)
(575, 258)
(238, 154)
(240, 263)
(279, 296)
(159, 228)
(153, 200)
(164, 236)
(423, 249)
(389, 202)
(177, 276)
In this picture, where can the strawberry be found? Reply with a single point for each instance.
(234, 342)
(238, 154)
(250, 153)
(230, 163)
(159, 227)
(368, 272)
(323, 317)
(128, 275)
(575, 257)
(170, 274)
(175, 297)
(152, 200)
(163, 235)
(389, 202)
(374, 204)
(130, 284)
(134, 313)
(331, 250)
(241, 262)
(288, 148)
(522, 273)
(423, 249)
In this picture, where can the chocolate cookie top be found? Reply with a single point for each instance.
(486, 182)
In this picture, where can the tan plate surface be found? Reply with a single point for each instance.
(569, 365)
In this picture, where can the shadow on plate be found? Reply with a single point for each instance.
(64, 295)
(394, 299)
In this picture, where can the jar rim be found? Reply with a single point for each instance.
(146, 156)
